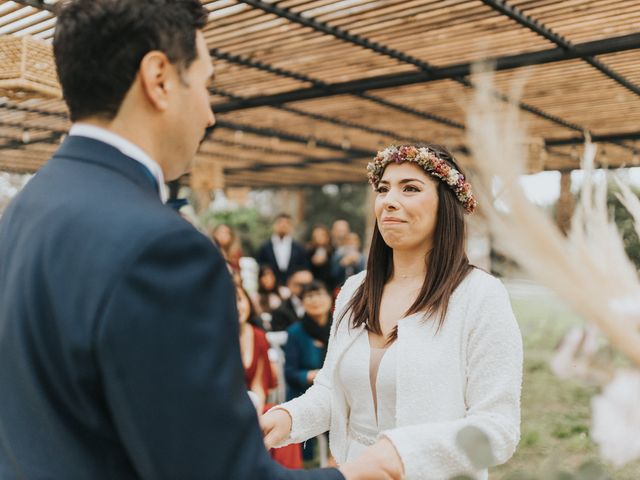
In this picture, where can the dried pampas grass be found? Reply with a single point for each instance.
(588, 268)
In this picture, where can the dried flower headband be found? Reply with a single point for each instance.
(429, 161)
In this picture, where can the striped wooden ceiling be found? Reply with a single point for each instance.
(307, 90)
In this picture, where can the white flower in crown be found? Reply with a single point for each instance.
(616, 418)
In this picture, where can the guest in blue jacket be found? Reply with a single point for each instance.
(306, 345)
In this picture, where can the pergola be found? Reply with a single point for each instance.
(307, 90)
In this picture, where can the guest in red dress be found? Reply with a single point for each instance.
(258, 374)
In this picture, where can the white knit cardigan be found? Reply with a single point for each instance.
(468, 373)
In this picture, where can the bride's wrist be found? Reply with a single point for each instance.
(282, 409)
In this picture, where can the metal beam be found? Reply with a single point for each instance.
(257, 148)
(604, 138)
(318, 86)
(338, 33)
(354, 87)
(324, 118)
(395, 54)
(515, 14)
(292, 137)
(303, 163)
(286, 186)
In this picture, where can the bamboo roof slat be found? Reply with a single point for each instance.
(329, 137)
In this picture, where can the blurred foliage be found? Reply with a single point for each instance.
(624, 221)
(250, 227)
(504, 267)
(324, 205)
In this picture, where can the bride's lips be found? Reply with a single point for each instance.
(392, 220)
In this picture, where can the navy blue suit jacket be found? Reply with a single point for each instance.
(298, 259)
(119, 353)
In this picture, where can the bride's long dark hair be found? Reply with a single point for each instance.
(447, 265)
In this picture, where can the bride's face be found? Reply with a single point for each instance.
(406, 207)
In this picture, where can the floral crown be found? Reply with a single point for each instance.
(429, 161)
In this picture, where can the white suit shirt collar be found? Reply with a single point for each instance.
(126, 147)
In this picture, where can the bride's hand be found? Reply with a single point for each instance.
(276, 426)
(378, 462)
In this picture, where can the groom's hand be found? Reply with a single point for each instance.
(378, 462)
(276, 426)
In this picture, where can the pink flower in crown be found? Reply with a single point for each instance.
(408, 152)
(444, 169)
(396, 157)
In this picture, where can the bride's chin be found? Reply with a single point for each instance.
(392, 241)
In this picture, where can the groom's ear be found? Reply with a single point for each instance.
(157, 77)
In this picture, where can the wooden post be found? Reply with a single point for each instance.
(564, 207)
(206, 176)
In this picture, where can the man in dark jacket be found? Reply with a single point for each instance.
(281, 252)
(115, 313)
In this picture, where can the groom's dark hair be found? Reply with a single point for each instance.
(99, 44)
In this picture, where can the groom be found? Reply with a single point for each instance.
(119, 354)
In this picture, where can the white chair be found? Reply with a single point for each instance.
(276, 355)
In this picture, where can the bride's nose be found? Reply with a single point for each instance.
(390, 202)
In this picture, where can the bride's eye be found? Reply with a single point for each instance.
(382, 189)
(411, 188)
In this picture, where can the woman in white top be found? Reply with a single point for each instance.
(423, 344)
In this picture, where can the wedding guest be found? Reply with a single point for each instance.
(307, 339)
(225, 238)
(270, 294)
(291, 310)
(320, 252)
(339, 231)
(306, 345)
(254, 349)
(281, 252)
(258, 372)
(348, 259)
(423, 344)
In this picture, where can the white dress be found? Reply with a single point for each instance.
(368, 378)
(467, 374)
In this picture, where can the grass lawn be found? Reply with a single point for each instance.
(555, 413)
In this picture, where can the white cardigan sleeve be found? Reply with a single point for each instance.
(494, 378)
(311, 412)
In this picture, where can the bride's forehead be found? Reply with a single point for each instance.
(396, 172)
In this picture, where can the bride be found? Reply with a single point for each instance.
(422, 345)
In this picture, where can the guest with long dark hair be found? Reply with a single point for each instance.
(270, 294)
(423, 344)
(224, 236)
(258, 374)
(254, 349)
(320, 254)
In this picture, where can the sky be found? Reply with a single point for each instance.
(544, 188)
